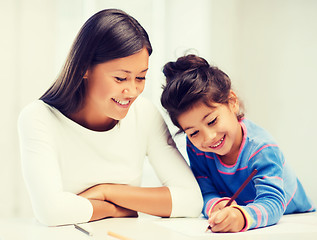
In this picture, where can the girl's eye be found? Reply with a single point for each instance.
(120, 79)
(140, 78)
(193, 134)
(213, 121)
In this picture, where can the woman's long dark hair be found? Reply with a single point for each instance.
(107, 35)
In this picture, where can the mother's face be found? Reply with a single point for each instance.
(114, 85)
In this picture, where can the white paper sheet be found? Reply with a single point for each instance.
(195, 227)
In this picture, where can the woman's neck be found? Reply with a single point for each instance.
(92, 121)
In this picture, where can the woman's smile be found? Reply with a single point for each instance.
(122, 103)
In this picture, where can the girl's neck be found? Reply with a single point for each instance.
(229, 159)
(232, 157)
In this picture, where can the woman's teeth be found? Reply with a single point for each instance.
(122, 102)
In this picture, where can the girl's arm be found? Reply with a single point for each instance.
(212, 199)
(220, 218)
(270, 200)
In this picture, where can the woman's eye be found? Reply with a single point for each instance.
(212, 122)
(120, 79)
(193, 134)
(140, 78)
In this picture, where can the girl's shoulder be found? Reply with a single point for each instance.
(258, 141)
(255, 133)
(260, 145)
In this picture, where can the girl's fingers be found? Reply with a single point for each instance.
(227, 220)
(221, 216)
(216, 219)
(221, 223)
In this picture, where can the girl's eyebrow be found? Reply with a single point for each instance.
(201, 120)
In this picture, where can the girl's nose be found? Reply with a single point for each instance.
(208, 137)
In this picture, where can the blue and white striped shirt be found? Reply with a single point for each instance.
(274, 190)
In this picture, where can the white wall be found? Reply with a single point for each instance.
(268, 47)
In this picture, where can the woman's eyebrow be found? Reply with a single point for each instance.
(127, 71)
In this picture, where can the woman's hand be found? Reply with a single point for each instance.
(155, 201)
(228, 219)
(124, 212)
(97, 192)
(103, 208)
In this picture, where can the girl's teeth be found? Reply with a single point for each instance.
(214, 146)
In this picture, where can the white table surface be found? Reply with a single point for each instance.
(294, 226)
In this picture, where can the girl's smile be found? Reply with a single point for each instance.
(219, 144)
(214, 128)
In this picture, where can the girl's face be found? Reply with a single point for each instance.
(114, 85)
(214, 129)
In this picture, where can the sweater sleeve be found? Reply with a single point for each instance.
(270, 201)
(210, 194)
(172, 169)
(40, 167)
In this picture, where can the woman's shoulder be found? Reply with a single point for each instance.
(143, 106)
(35, 106)
(145, 115)
(143, 102)
(36, 111)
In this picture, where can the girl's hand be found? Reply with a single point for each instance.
(228, 219)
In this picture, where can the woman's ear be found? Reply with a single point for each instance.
(234, 102)
(86, 75)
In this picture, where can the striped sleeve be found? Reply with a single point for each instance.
(208, 190)
(269, 204)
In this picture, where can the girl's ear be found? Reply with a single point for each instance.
(234, 102)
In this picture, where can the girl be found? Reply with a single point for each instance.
(83, 143)
(224, 148)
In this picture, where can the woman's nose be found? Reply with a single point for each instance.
(131, 89)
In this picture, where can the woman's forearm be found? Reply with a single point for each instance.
(103, 209)
(155, 201)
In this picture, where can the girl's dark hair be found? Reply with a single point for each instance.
(190, 80)
(107, 35)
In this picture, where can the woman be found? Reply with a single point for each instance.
(83, 143)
